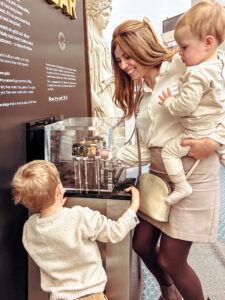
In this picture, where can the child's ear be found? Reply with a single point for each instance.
(209, 41)
(58, 191)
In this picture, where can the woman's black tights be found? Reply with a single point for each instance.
(167, 261)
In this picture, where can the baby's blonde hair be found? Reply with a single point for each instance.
(34, 184)
(205, 18)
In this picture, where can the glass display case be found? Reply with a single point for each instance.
(85, 153)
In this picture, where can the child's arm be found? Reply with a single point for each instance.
(194, 85)
(165, 95)
(106, 230)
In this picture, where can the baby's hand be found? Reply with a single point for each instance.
(135, 198)
(164, 96)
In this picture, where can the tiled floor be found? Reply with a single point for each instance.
(151, 289)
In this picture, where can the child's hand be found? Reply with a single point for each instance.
(164, 96)
(135, 198)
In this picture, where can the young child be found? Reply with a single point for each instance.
(62, 241)
(201, 99)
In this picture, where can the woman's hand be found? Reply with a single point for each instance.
(201, 148)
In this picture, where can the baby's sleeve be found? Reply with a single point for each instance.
(191, 90)
(219, 133)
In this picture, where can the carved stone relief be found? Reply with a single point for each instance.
(101, 76)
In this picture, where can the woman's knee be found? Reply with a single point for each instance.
(173, 255)
(164, 263)
(170, 265)
(145, 239)
(144, 248)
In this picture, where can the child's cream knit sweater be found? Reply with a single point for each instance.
(64, 247)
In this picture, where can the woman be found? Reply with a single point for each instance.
(101, 76)
(143, 67)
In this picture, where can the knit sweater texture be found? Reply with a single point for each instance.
(64, 247)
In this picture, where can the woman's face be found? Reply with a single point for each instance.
(102, 19)
(134, 69)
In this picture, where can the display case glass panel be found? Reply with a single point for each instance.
(84, 151)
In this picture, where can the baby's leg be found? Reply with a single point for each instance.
(171, 155)
(181, 190)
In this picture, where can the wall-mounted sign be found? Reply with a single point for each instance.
(40, 68)
(42, 74)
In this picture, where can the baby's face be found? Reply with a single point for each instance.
(192, 49)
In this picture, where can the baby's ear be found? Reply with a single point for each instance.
(209, 41)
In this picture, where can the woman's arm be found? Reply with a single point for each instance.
(201, 148)
(128, 155)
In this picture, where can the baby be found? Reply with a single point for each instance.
(200, 103)
(62, 241)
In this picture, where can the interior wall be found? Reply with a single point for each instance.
(42, 74)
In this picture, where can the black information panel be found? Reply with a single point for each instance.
(42, 66)
(42, 57)
(42, 74)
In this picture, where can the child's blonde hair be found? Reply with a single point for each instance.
(34, 184)
(205, 18)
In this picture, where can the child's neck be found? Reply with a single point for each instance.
(212, 56)
(50, 211)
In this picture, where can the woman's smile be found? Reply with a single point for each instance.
(131, 71)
